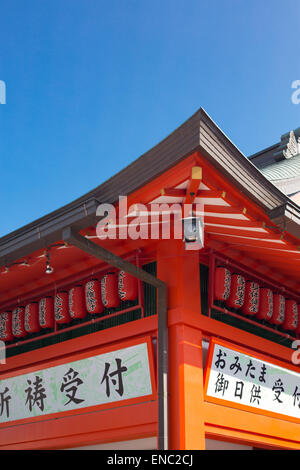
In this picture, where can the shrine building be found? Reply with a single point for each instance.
(161, 310)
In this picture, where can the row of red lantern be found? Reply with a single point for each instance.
(253, 300)
(68, 305)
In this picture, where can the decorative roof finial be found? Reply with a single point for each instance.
(293, 146)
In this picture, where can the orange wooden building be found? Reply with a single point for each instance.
(192, 358)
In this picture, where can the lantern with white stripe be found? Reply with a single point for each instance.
(77, 302)
(109, 290)
(222, 283)
(251, 302)
(18, 326)
(93, 298)
(278, 309)
(6, 326)
(32, 324)
(265, 311)
(61, 307)
(127, 285)
(237, 291)
(291, 315)
(46, 312)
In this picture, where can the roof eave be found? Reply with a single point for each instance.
(24, 243)
(287, 217)
(197, 133)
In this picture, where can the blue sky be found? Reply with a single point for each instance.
(92, 84)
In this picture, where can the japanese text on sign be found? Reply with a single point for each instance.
(106, 378)
(242, 379)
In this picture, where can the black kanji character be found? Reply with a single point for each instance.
(255, 394)
(278, 389)
(296, 396)
(38, 395)
(118, 372)
(239, 386)
(221, 384)
(4, 401)
(71, 383)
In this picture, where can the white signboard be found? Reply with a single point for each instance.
(247, 381)
(98, 380)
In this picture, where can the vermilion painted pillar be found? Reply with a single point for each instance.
(180, 270)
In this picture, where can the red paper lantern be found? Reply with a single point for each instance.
(127, 286)
(237, 291)
(32, 324)
(93, 298)
(46, 312)
(265, 311)
(291, 315)
(251, 302)
(18, 326)
(222, 283)
(109, 290)
(6, 326)
(77, 302)
(278, 310)
(61, 307)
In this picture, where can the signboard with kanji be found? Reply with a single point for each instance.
(240, 378)
(103, 379)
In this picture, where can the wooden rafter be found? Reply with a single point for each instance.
(266, 252)
(257, 243)
(201, 193)
(255, 263)
(211, 219)
(242, 233)
(192, 189)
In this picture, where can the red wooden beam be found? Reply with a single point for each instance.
(214, 179)
(194, 183)
(258, 243)
(255, 264)
(213, 219)
(173, 192)
(266, 253)
(213, 208)
(266, 269)
(201, 193)
(240, 232)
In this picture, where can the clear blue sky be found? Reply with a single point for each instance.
(93, 84)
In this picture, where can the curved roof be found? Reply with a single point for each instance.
(284, 169)
(199, 132)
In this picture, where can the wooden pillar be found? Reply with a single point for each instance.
(180, 270)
